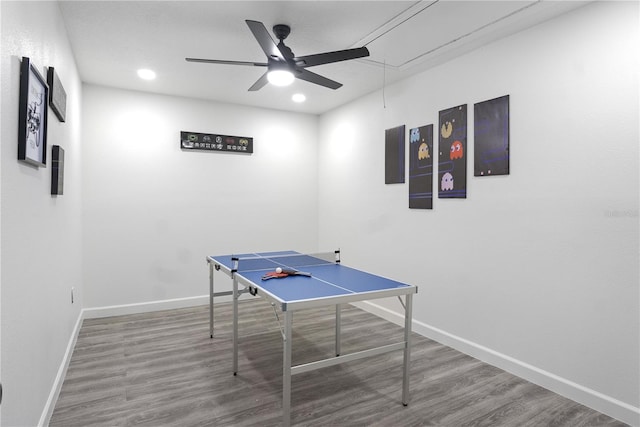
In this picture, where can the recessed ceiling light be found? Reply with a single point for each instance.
(146, 74)
(299, 97)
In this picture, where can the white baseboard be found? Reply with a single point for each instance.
(146, 307)
(50, 405)
(593, 399)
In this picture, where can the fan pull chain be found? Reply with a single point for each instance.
(384, 82)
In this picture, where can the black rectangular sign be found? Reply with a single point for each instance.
(211, 142)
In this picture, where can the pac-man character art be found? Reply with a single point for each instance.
(456, 150)
(423, 151)
(446, 130)
(446, 183)
(414, 135)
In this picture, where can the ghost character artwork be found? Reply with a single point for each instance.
(452, 158)
(421, 167)
(456, 150)
(423, 151)
(447, 182)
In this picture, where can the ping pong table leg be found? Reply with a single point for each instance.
(235, 325)
(338, 328)
(407, 348)
(286, 369)
(211, 299)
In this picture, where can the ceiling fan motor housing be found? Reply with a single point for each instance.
(281, 31)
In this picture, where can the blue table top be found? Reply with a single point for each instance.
(328, 279)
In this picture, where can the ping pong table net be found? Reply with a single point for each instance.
(294, 261)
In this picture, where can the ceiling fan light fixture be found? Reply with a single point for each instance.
(280, 77)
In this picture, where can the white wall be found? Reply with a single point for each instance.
(536, 271)
(0, 237)
(152, 212)
(545, 283)
(41, 244)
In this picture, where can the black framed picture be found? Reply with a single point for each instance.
(32, 115)
(491, 137)
(452, 157)
(421, 167)
(57, 170)
(57, 95)
(394, 155)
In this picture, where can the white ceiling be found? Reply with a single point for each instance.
(112, 39)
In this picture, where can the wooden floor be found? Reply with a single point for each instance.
(162, 369)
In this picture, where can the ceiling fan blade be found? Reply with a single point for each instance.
(264, 39)
(218, 61)
(259, 84)
(329, 57)
(310, 77)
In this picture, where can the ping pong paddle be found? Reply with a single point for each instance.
(284, 273)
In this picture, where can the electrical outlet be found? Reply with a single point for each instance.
(73, 291)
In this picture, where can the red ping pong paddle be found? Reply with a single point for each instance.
(284, 273)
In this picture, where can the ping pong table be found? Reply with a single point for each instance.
(330, 284)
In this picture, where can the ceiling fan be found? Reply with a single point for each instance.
(282, 63)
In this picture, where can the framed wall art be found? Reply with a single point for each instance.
(218, 143)
(57, 95)
(57, 170)
(452, 158)
(32, 115)
(421, 167)
(491, 137)
(394, 155)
